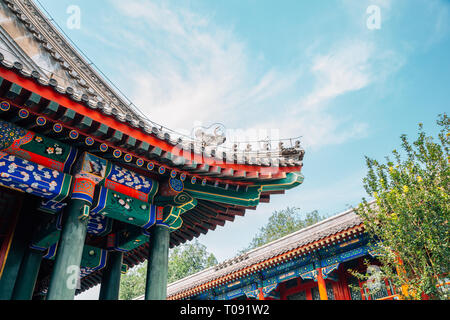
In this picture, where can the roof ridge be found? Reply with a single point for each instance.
(293, 234)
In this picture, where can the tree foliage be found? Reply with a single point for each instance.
(409, 218)
(132, 284)
(282, 223)
(189, 259)
(184, 260)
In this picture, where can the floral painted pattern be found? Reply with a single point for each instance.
(29, 145)
(130, 183)
(31, 178)
(130, 179)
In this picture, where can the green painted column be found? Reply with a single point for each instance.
(12, 266)
(109, 289)
(66, 270)
(17, 250)
(28, 273)
(158, 263)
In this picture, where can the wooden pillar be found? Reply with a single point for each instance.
(66, 270)
(110, 286)
(20, 237)
(322, 285)
(28, 273)
(158, 263)
(261, 293)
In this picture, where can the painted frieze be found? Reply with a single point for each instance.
(26, 176)
(35, 147)
(247, 197)
(89, 171)
(292, 180)
(129, 183)
(124, 208)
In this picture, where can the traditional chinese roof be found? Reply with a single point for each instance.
(327, 232)
(36, 58)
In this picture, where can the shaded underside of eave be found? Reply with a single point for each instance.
(205, 217)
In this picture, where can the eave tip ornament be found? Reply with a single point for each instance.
(214, 135)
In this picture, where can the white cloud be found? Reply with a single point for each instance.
(345, 69)
(197, 71)
(347, 66)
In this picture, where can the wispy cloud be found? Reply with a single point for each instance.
(197, 71)
(347, 68)
(192, 70)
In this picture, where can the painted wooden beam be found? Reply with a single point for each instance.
(178, 238)
(225, 217)
(142, 148)
(219, 222)
(264, 198)
(190, 165)
(13, 91)
(226, 173)
(155, 152)
(128, 143)
(116, 137)
(239, 174)
(166, 157)
(33, 102)
(201, 229)
(212, 205)
(236, 212)
(184, 234)
(244, 197)
(68, 116)
(84, 124)
(202, 168)
(101, 131)
(292, 180)
(178, 161)
(213, 171)
(190, 230)
(206, 211)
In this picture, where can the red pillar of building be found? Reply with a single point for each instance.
(322, 285)
(261, 294)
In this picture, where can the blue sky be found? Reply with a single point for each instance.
(303, 68)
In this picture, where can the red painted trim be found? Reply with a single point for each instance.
(261, 294)
(49, 94)
(309, 293)
(343, 281)
(301, 286)
(322, 285)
